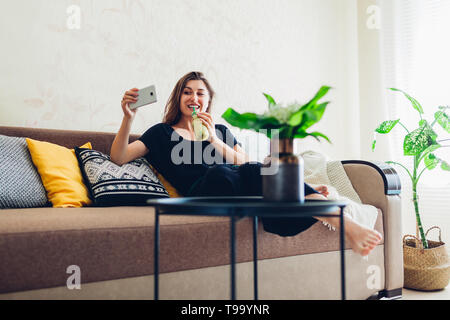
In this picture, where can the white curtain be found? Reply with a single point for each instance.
(415, 55)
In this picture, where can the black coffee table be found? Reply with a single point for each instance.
(237, 208)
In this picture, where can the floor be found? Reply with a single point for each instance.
(422, 295)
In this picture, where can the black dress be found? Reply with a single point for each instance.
(194, 169)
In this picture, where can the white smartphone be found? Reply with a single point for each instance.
(146, 96)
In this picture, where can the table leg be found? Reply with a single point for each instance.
(233, 257)
(342, 238)
(255, 256)
(156, 255)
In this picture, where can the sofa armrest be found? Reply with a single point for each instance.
(391, 180)
(378, 184)
(373, 181)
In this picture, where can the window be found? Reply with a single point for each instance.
(416, 58)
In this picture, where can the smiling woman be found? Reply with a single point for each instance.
(191, 91)
(198, 93)
(195, 97)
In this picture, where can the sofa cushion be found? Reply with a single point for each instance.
(38, 245)
(20, 183)
(60, 174)
(112, 185)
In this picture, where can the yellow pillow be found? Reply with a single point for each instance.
(60, 173)
(173, 193)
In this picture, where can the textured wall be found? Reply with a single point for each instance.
(53, 76)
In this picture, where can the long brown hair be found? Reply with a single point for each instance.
(172, 112)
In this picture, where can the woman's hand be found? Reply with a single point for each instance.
(130, 96)
(322, 190)
(208, 122)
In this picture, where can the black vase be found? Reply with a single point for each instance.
(282, 173)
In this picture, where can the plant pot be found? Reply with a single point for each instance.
(282, 174)
(425, 269)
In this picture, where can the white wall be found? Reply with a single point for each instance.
(56, 77)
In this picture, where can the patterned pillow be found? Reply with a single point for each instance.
(20, 183)
(111, 185)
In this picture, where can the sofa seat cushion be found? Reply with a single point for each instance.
(38, 245)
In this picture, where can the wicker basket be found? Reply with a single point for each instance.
(425, 269)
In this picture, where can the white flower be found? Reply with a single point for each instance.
(281, 113)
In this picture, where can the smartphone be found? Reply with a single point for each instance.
(146, 96)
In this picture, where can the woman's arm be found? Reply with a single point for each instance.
(121, 151)
(235, 155)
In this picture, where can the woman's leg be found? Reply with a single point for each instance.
(225, 180)
(362, 240)
(246, 180)
(285, 227)
(220, 180)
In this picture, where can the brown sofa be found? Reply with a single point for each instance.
(113, 247)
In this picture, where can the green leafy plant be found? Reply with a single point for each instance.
(288, 122)
(420, 145)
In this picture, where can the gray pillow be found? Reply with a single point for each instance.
(20, 183)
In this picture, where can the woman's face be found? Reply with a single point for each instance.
(194, 94)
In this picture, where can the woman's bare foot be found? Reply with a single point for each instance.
(322, 190)
(362, 239)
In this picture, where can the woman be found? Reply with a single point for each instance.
(197, 168)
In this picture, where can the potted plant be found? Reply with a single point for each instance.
(420, 144)
(282, 124)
